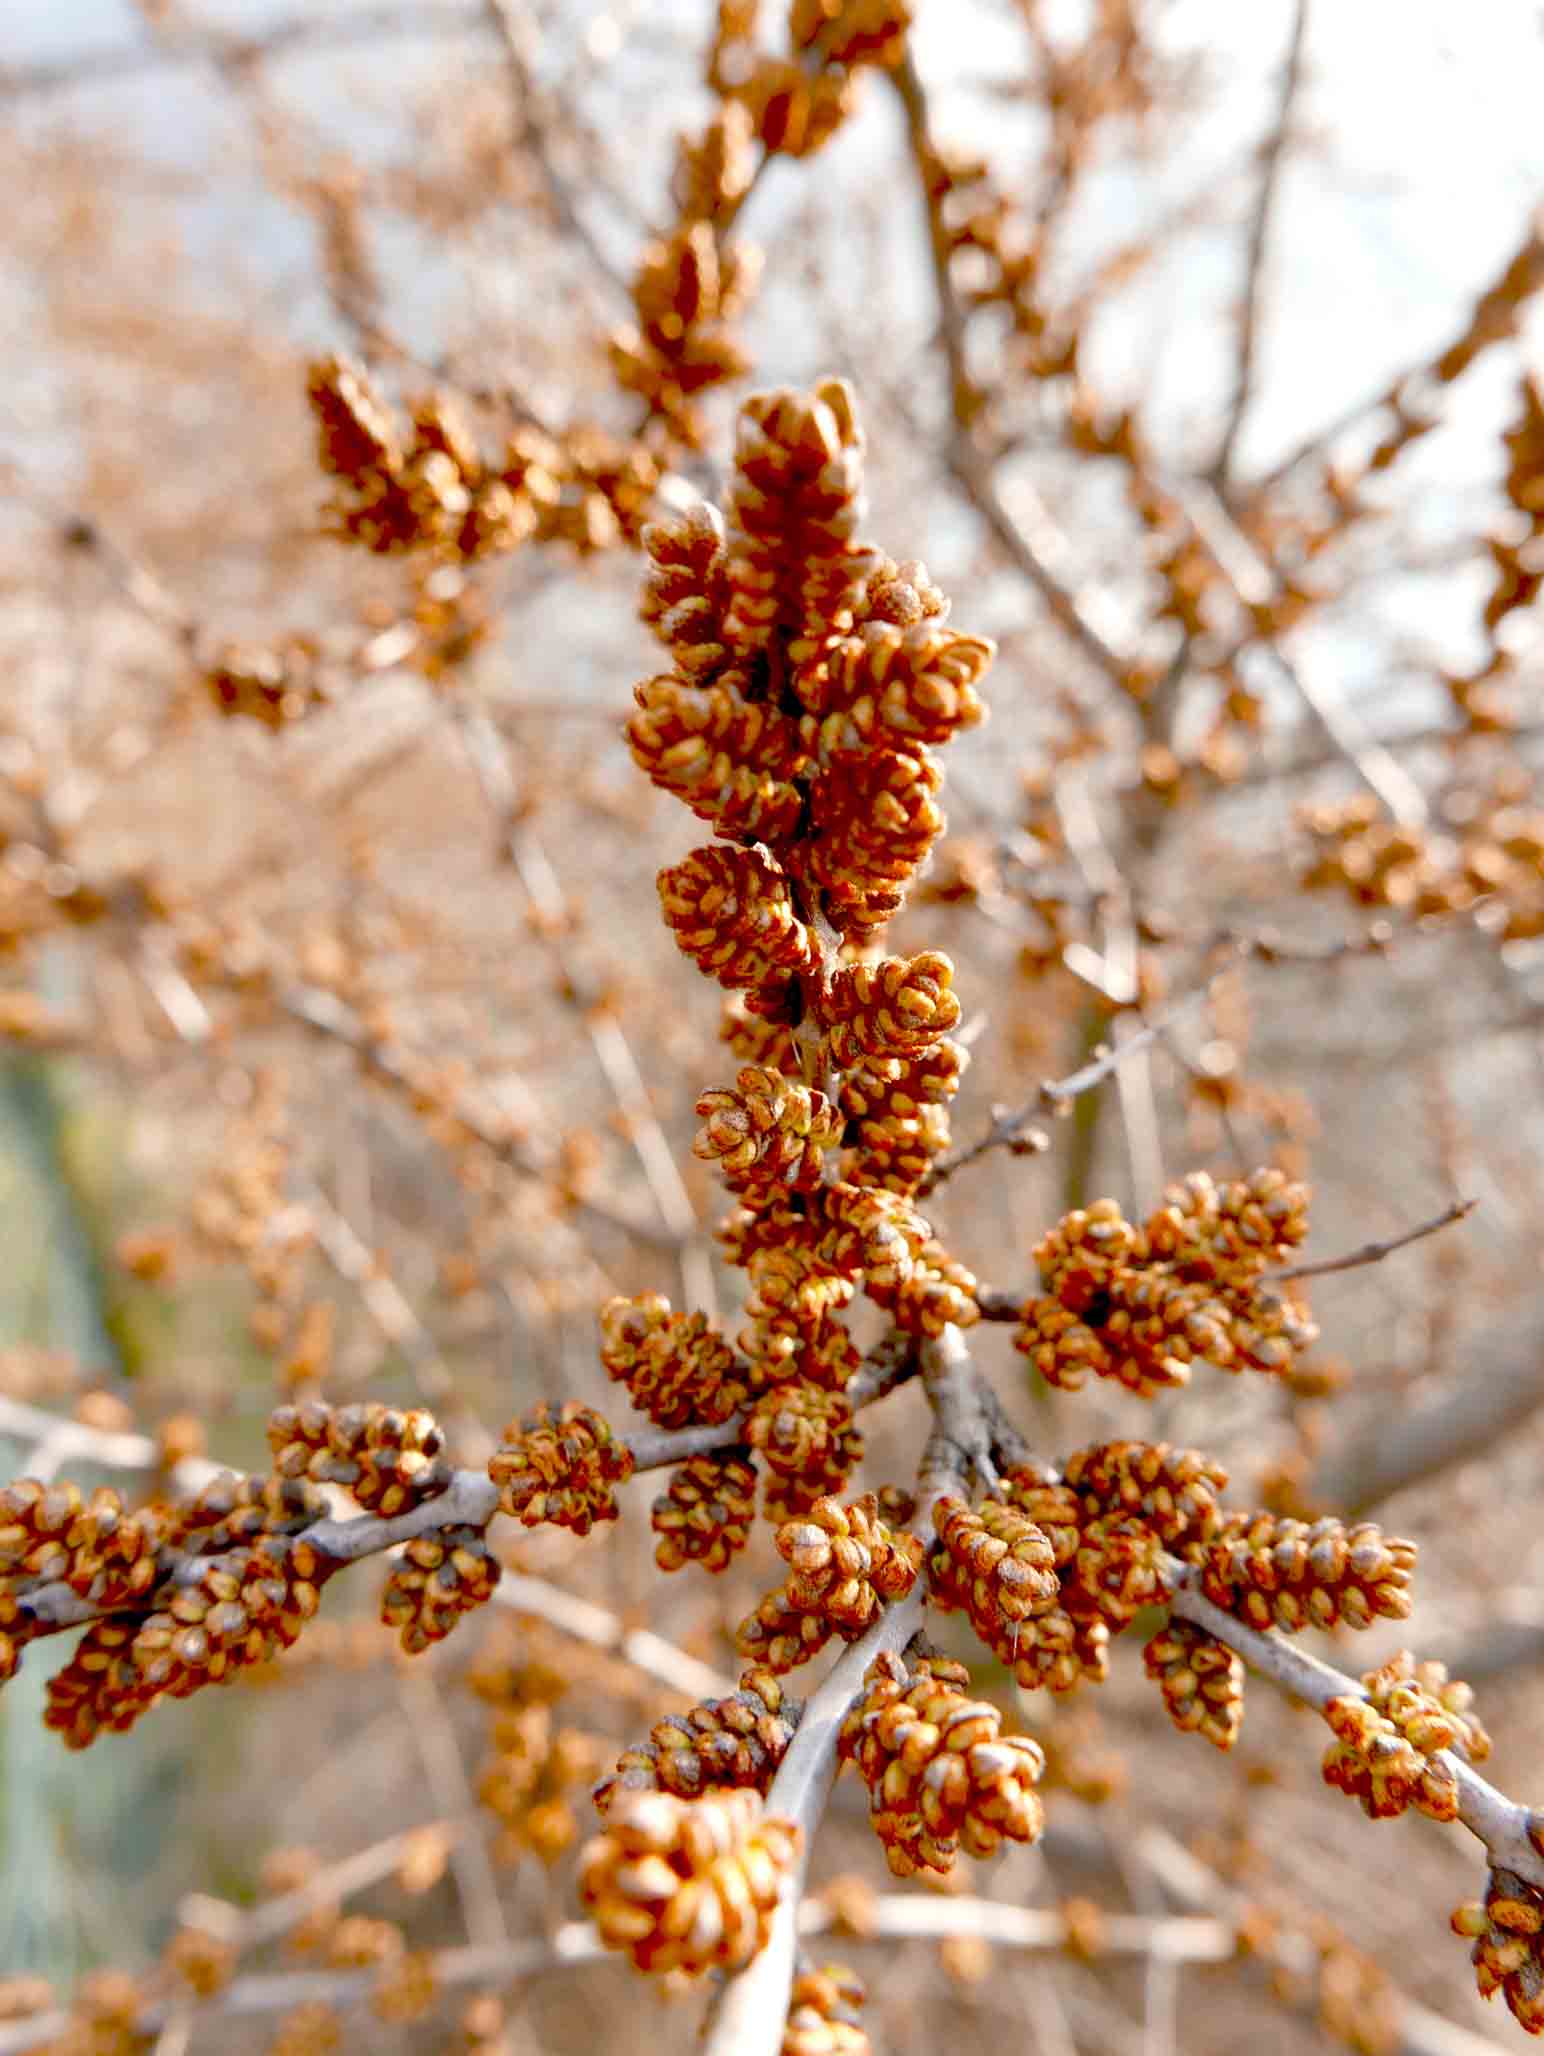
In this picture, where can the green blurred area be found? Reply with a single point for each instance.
(91, 1844)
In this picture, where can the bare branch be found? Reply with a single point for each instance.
(613, 1051)
(434, 1736)
(327, 1015)
(516, 36)
(279, 1991)
(1273, 154)
(1030, 539)
(1523, 267)
(1375, 1252)
(1255, 582)
(1056, 1094)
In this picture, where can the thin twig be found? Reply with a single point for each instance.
(1134, 1080)
(515, 34)
(914, 1916)
(324, 1013)
(613, 1051)
(1473, 1422)
(1375, 1252)
(1273, 154)
(1030, 537)
(1255, 582)
(388, 1307)
(1525, 262)
(280, 1991)
(1056, 1094)
(308, 32)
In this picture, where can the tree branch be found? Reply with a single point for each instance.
(1500, 1823)
(1272, 159)
(748, 2017)
(1030, 540)
(1056, 1094)
(1375, 1252)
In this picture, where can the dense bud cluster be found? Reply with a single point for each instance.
(100, 1551)
(124, 1562)
(389, 1459)
(1373, 1761)
(687, 289)
(705, 1514)
(809, 1444)
(732, 912)
(899, 1007)
(1508, 1954)
(428, 487)
(1432, 1710)
(767, 1132)
(1490, 846)
(686, 1885)
(677, 1368)
(995, 1563)
(1140, 1305)
(825, 2014)
(1274, 1572)
(1387, 1749)
(1201, 1680)
(1171, 1491)
(941, 1773)
(443, 1575)
(896, 1107)
(845, 1563)
(240, 1610)
(1027, 1606)
(1049, 1572)
(561, 1467)
(738, 1742)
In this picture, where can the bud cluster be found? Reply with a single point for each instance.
(808, 1441)
(1388, 1747)
(845, 1564)
(1140, 1305)
(241, 1610)
(430, 488)
(738, 1742)
(443, 1575)
(1201, 1679)
(941, 1773)
(1289, 1574)
(767, 1132)
(389, 1458)
(687, 1884)
(1508, 1954)
(560, 1467)
(825, 2014)
(676, 1366)
(705, 1514)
